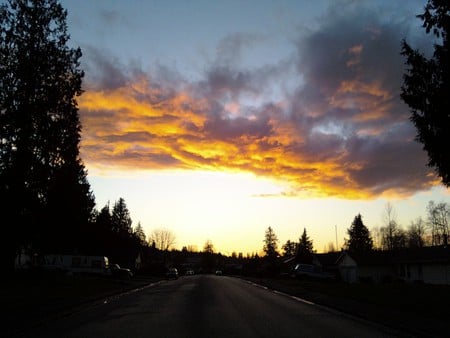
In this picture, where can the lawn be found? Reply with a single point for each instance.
(420, 309)
(29, 299)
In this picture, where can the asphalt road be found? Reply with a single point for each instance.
(207, 306)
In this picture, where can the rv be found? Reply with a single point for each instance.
(77, 263)
(66, 263)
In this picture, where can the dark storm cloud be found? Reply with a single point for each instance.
(353, 72)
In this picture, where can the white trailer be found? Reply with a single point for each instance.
(77, 263)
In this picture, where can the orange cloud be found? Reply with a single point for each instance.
(354, 53)
(142, 126)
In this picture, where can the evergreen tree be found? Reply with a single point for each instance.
(140, 234)
(43, 185)
(305, 248)
(103, 231)
(120, 218)
(270, 243)
(426, 88)
(359, 237)
(103, 219)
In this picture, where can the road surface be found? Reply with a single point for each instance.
(207, 306)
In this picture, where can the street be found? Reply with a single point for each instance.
(206, 306)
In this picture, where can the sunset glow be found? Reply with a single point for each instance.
(231, 129)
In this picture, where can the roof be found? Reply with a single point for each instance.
(329, 259)
(374, 257)
(429, 254)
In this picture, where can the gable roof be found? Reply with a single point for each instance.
(329, 259)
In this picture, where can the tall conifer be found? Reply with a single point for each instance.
(43, 186)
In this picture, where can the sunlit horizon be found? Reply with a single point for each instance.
(233, 210)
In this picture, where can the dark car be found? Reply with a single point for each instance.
(117, 271)
(172, 273)
(310, 271)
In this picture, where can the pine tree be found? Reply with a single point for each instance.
(120, 218)
(359, 236)
(140, 234)
(270, 243)
(305, 248)
(43, 185)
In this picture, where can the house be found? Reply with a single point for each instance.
(428, 265)
(340, 264)
(328, 262)
(374, 266)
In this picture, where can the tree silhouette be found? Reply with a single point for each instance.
(416, 233)
(270, 243)
(120, 218)
(208, 247)
(43, 182)
(208, 261)
(439, 221)
(426, 88)
(393, 236)
(305, 248)
(289, 248)
(140, 234)
(163, 239)
(359, 237)
(114, 236)
(103, 234)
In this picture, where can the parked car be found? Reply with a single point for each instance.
(117, 271)
(310, 271)
(172, 273)
(218, 272)
(189, 272)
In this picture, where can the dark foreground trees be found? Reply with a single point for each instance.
(46, 201)
(111, 235)
(426, 88)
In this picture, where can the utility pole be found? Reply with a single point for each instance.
(337, 247)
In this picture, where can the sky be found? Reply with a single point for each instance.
(218, 119)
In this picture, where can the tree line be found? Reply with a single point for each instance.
(432, 232)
